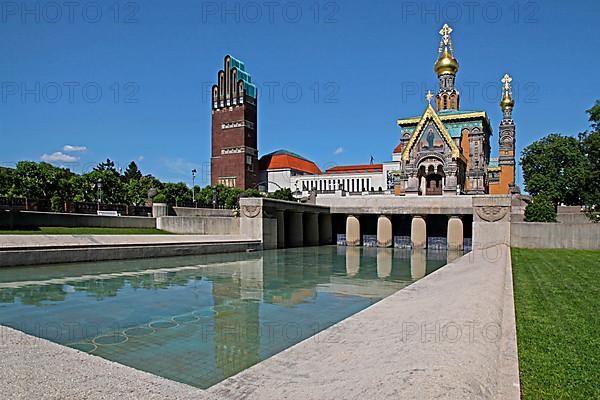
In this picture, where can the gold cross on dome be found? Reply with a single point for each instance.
(506, 80)
(445, 32)
(429, 96)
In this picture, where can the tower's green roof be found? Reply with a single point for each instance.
(249, 87)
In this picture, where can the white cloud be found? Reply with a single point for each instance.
(74, 149)
(338, 151)
(59, 157)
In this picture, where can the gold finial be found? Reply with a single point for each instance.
(506, 80)
(446, 42)
(507, 100)
(445, 32)
(429, 96)
(446, 63)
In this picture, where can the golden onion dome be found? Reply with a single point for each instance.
(507, 102)
(446, 64)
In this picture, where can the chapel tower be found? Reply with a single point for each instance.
(446, 68)
(506, 159)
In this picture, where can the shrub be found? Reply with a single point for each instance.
(540, 210)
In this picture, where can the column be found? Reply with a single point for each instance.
(418, 233)
(384, 231)
(311, 229)
(352, 231)
(280, 229)
(455, 233)
(294, 229)
(325, 229)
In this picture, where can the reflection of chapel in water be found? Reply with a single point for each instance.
(296, 277)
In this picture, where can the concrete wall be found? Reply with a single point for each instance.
(42, 255)
(201, 212)
(537, 235)
(200, 225)
(390, 204)
(571, 215)
(25, 219)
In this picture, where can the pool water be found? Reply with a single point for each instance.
(199, 320)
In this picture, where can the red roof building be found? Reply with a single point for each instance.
(283, 159)
(355, 169)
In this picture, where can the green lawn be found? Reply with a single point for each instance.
(557, 300)
(84, 231)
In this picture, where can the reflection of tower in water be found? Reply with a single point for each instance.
(236, 331)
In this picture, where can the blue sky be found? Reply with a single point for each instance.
(133, 82)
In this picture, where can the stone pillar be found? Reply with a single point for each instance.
(352, 231)
(455, 233)
(418, 233)
(412, 188)
(352, 261)
(384, 262)
(384, 231)
(294, 231)
(311, 229)
(160, 210)
(280, 229)
(325, 229)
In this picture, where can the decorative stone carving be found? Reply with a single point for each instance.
(492, 213)
(251, 211)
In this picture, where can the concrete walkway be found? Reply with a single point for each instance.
(448, 336)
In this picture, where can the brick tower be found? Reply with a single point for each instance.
(234, 160)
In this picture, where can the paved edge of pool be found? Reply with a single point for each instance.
(408, 345)
(33, 368)
(382, 352)
(53, 249)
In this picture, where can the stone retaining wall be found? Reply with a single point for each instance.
(30, 219)
(537, 235)
(39, 250)
(200, 225)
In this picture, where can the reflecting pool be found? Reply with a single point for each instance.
(199, 320)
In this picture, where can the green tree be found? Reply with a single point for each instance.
(594, 116)
(282, 194)
(556, 167)
(107, 165)
(137, 189)
(176, 193)
(40, 181)
(7, 181)
(113, 189)
(540, 209)
(132, 172)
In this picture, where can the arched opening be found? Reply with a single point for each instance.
(433, 185)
